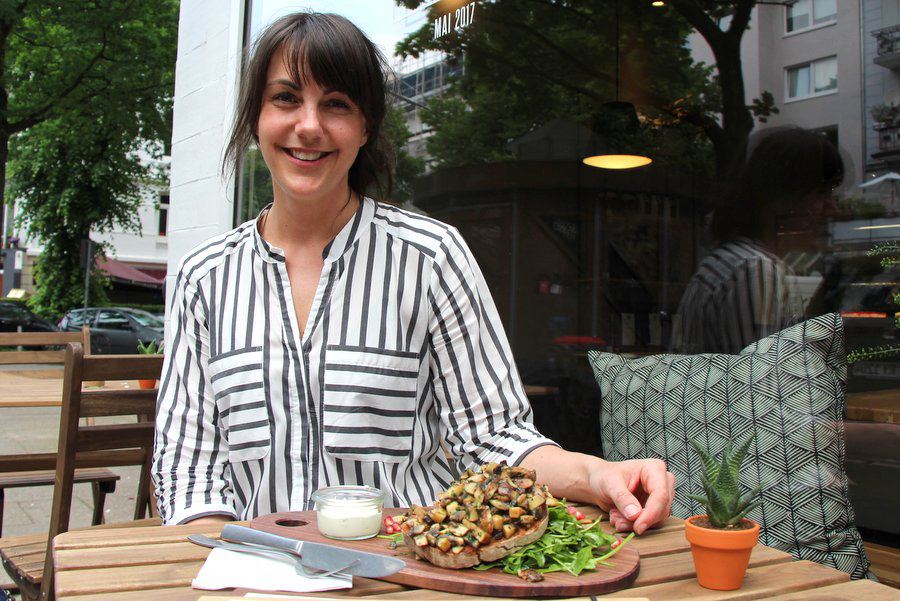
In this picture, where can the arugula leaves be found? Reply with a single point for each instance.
(567, 545)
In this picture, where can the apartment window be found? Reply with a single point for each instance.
(804, 14)
(812, 79)
(163, 214)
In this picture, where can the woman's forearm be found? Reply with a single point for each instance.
(566, 473)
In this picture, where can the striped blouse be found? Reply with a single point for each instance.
(740, 293)
(404, 352)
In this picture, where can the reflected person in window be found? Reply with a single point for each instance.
(335, 339)
(743, 291)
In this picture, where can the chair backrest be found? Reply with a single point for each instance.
(106, 445)
(40, 339)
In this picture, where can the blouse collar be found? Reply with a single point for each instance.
(340, 244)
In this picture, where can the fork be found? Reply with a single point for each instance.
(205, 541)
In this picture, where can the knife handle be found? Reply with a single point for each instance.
(242, 534)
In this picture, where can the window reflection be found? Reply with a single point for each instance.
(492, 124)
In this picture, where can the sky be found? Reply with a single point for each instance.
(383, 21)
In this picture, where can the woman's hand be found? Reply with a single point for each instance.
(637, 493)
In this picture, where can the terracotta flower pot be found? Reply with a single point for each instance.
(720, 556)
(147, 384)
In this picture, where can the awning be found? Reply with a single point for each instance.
(887, 177)
(127, 274)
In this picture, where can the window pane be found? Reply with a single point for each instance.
(825, 75)
(798, 82)
(256, 189)
(113, 320)
(798, 15)
(824, 11)
(146, 319)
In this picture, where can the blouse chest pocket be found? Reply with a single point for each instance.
(238, 384)
(369, 403)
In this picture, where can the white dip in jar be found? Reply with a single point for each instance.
(349, 512)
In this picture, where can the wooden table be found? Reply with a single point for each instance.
(144, 563)
(40, 388)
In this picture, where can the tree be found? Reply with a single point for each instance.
(529, 61)
(78, 167)
(729, 133)
(59, 56)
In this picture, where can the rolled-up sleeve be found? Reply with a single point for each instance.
(190, 468)
(478, 392)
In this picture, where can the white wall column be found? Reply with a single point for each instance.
(210, 34)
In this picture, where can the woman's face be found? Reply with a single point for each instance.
(309, 137)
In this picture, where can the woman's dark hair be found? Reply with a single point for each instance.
(776, 169)
(333, 52)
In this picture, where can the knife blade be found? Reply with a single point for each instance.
(318, 556)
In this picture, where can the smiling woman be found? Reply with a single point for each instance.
(337, 340)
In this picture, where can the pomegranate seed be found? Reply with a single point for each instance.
(388, 521)
(579, 515)
(571, 510)
(615, 544)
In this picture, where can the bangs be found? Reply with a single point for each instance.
(319, 51)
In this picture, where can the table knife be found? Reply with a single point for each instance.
(318, 556)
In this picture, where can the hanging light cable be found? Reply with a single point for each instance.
(607, 160)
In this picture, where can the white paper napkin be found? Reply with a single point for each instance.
(232, 569)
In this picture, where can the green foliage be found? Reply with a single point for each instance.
(408, 166)
(724, 502)
(528, 63)
(887, 114)
(890, 259)
(566, 546)
(150, 348)
(857, 207)
(90, 86)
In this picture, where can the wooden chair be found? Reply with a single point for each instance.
(29, 562)
(49, 364)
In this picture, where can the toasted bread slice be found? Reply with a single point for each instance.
(484, 516)
(469, 556)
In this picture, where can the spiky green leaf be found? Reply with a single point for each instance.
(712, 468)
(718, 510)
(737, 459)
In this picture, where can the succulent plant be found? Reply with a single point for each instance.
(725, 505)
(150, 348)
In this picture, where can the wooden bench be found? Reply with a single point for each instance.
(102, 480)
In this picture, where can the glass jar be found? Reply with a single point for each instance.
(349, 512)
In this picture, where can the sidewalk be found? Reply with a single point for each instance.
(34, 430)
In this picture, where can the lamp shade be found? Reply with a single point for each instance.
(617, 161)
(621, 117)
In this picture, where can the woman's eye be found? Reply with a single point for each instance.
(339, 104)
(283, 97)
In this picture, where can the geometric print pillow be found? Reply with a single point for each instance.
(788, 389)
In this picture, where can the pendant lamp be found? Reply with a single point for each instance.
(624, 113)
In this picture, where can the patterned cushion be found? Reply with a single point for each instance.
(788, 388)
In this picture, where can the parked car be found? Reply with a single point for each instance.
(115, 330)
(14, 316)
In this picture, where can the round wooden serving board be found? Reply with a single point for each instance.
(301, 525)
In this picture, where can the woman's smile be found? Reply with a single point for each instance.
(306, 158)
